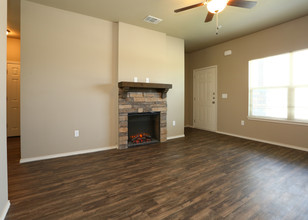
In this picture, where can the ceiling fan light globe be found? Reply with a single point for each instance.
(216, 6)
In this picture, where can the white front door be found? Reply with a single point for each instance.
(205, 98)
(13, 99)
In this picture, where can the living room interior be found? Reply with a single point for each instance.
(72, 59)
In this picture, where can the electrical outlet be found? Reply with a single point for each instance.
(242, 122)
(76, 133)
(173, 123)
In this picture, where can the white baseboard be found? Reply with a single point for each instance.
(31, 159)
(188, 126)
(174, 137)
(5, 210)
(264, 141)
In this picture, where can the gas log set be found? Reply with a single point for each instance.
(140, 138)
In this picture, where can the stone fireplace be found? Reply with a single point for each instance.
(139, 99)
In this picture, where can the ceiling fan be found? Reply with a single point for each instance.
(216, 6)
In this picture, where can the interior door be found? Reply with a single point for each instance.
(205, 95)
(13, 99)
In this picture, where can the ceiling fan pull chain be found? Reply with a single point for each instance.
(217, 24)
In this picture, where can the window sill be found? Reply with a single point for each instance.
(280, 121)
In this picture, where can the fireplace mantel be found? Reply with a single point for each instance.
(140, 87)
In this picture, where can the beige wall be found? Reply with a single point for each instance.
(68, 82)
(13, 49)
(174, 74)
(142, 53)
(70, 71)
(188, 93)
(233, 80)
(3, 155)
(145, 53)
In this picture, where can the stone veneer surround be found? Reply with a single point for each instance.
(137, 102)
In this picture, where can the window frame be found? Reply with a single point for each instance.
(290, 119)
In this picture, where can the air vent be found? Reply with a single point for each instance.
(153, 20)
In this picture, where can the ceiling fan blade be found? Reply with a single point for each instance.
(209, 17)
(189, 7)
(242, 3)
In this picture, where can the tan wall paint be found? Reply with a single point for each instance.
(145, 53)
(69, 78)
(175, 75)
(142, 53)
(68, 82)
(3, 153)
(13, 49)
(188, 93)
(233, 79)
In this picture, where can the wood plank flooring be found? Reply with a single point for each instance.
(202, 176)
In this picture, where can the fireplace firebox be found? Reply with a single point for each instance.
(143, 128)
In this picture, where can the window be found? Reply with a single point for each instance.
(278, 87)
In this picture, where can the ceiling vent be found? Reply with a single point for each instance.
(153, 20)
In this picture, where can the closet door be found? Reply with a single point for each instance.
(13, 100)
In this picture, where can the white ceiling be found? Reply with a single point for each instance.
(188, 25)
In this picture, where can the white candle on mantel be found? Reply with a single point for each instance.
(135, 79)
(147, 80)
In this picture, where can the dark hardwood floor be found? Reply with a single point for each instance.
(202, 176)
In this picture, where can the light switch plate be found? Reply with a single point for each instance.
(228, 52)
(224, 96)
(76, 133)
